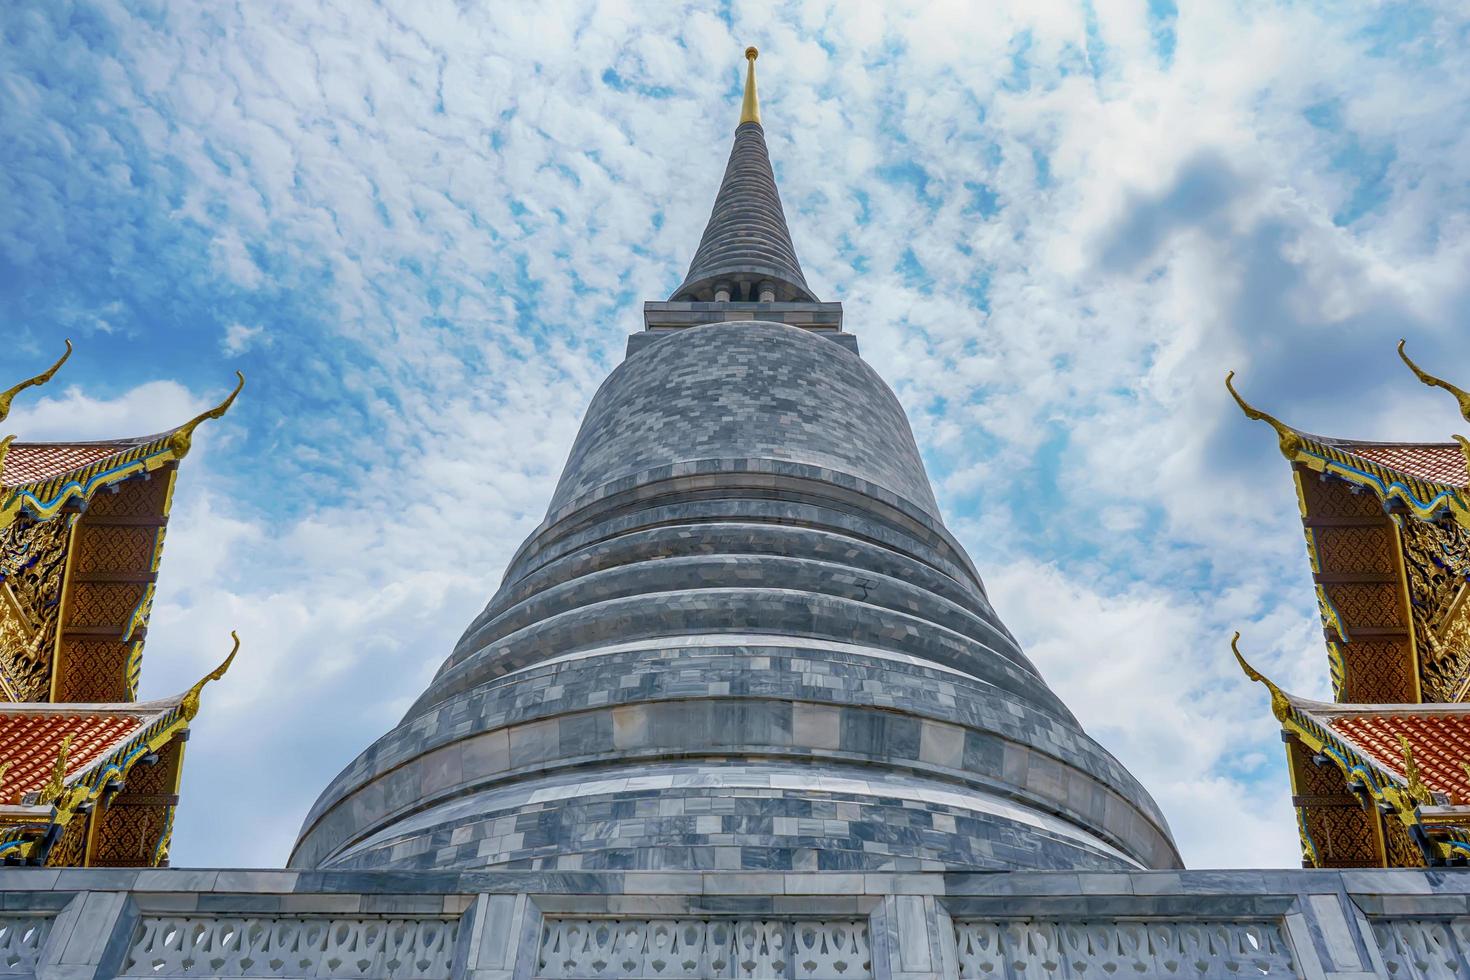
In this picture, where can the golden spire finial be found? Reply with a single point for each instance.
(183, 436)
(1413, 782)
(8, 395)
(750, 108)
(56, 785)
(1280, 703)
(1286, 436)
(190, 702)
(1461, 395)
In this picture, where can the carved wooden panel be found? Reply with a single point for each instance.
(133, 825)
(32, 565)
(1336, 498)
(1437, 563)
(1341, 830)
(1377, 672)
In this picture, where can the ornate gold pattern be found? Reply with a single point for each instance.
(1337, 831)
(1356, 549)
(70, 850)
(1400, 851)
(1367, 603)
(1437, 565)
(1376, 672)
(32, 569)
(129, 829)
(8, 395)
(94, 671)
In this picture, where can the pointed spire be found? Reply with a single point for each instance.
(750, 107)
(746, 251)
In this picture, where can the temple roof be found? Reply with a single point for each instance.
(31, 736)
(42, 477)
(1407, 760)
(1438, 736)
(746, 241)
(1441, 465)
(96, 746)
(38, 462)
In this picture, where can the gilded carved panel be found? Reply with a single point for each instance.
(32, 569)
(1437, 564)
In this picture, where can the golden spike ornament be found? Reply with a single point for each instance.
(1287, 438)
(5, 769)
(8, 395)
(1280, 703)
(4, 449)
(1414, 783)
(750, 106)
(1461, 395)
(190, 703)
(183, 437)
(56, 785)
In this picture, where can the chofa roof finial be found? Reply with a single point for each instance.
(1286, 436)
(190, 702)
(1280, 703)
(183, 437)
(1461, 395)
(8, 395)
(750, 108)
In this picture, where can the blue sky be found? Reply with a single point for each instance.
(424, 230)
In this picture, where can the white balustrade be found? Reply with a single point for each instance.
(1424, 949)
(268, 946)
(1203, 949)
(21, 938)
(706, 949)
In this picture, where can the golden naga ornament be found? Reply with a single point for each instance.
(1414, 784)
(8, 395)
(1461, 395)
(1286, 436)
(183, 438)
(190, 703)
(56, 785)
(1280, 703)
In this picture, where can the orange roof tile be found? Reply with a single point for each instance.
(30, 742)
(1440, 740)
(1433, 462)
(32, 462)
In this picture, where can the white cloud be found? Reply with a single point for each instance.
(239, 338)
(155, 406)
(470, 209)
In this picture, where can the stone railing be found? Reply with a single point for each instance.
(1313, 925)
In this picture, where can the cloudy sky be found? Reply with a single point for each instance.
(424, 229)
